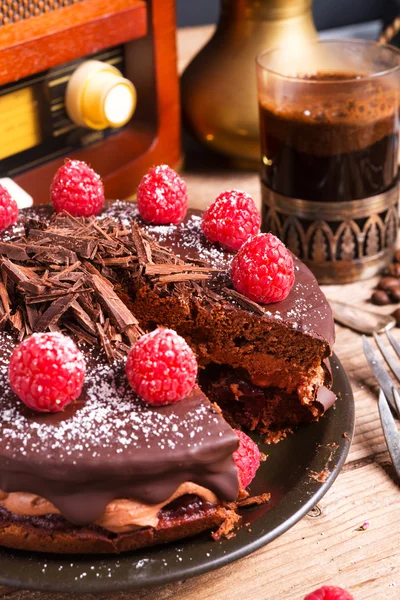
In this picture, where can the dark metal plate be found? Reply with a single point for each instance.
(289, 474)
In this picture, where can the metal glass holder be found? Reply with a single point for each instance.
(340, 242)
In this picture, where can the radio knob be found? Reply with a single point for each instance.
(98, 96)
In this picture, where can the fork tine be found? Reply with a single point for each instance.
(384, 379)
(395, 343)
(389, 359)
(390, 432)
(396, 397)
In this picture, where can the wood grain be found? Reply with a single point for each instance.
(326, 549)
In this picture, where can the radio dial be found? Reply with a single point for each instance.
(98, 96)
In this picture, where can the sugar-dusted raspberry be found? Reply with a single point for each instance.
(161, 367)
(231, 219)
(162, 196)
(263, 269)
(328, 592)
(8, 209)
(47, 371)
(247, 458)
(77, 189)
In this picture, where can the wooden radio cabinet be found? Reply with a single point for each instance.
(42, 44)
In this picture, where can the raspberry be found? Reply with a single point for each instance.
(247, 458)
(46, 371)
(8, 209)
(231, 219)
(161, 367)
(77, 189)
(162, 196)
(263, 269)
(329, 593)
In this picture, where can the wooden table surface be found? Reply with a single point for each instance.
(326, 549)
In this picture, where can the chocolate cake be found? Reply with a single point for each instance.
(111, 473)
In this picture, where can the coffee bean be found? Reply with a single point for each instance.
(387, 283)
(395, 294)
(396, 315)
(394, 270)
(380, 298)
(397, 256)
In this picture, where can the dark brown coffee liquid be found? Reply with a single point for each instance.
(331, 150)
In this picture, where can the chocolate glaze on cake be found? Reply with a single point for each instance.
(110, 444)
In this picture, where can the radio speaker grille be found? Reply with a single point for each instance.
(12, 11)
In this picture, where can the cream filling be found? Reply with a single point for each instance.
(120, 516)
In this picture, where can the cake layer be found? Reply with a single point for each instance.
(188, 517)
(270, 411)
(120, 516)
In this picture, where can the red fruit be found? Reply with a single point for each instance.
(161, 367)
(8, 209)
(247, 458)
(77, 189)
(231, 219)
(162, 196)
(263, 269)
(328, 592)
(47, 371)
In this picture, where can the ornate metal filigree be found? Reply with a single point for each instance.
(341, 241)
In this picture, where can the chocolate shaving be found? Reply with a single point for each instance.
(169, 269)
(32, 315)
(142, 250)
(119, 261)
(51, 254)
(82, 246)
(243, 301)
(40, 298)
(32, 287)
(175, 277)
(4, 297)
(13, 251)
(54, 312)
(68, 273)
(65, 275)
(13, 272)
(105, 342)
(83, 318)
(17, 320)
(92, 269)
(3, 320)
(81, 334)
(108, 298)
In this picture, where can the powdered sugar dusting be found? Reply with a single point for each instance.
(108, 421)
(192, 241)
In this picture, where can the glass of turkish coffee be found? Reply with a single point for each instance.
(329, 121)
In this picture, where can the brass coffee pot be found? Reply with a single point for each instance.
(219, 89)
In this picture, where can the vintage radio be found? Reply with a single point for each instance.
(94, 80)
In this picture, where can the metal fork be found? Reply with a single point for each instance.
(388, 395)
